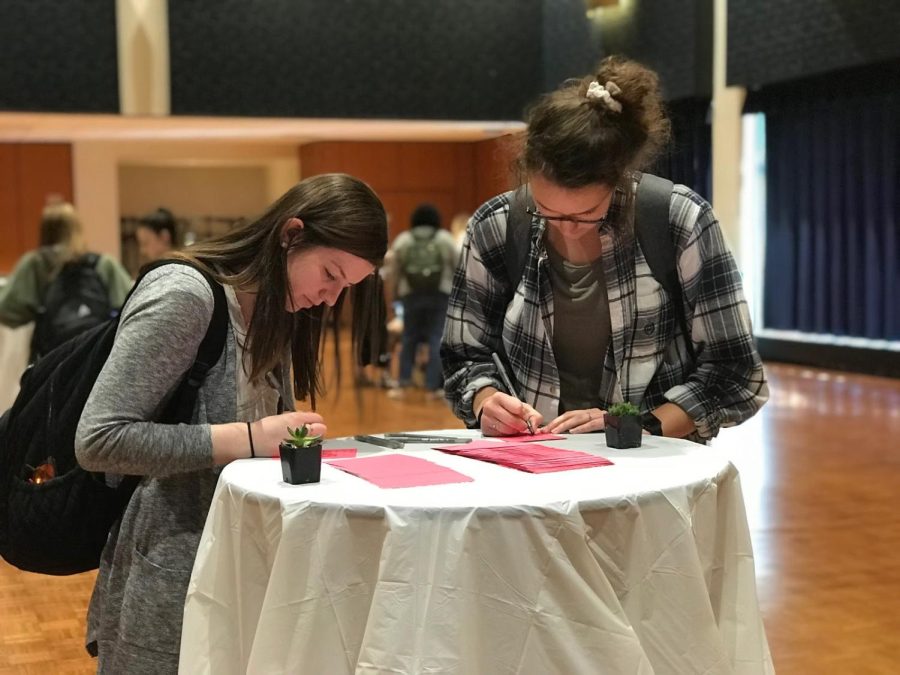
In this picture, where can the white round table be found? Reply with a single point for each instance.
(641, 567)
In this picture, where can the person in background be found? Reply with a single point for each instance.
(422, 262)
(285, 275)
(587, 325)
(156, 234)
(62, 250)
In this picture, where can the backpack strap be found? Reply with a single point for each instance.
(181, 406)
(518, 236)
(651, 223)
(207, 354)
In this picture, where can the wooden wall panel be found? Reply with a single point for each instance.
(466, 179)
(376, 163)
(428, 166)
(455, 177)
(493, 168)
(29, 174)
(10, 236)
(45, 169)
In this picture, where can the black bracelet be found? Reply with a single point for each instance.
(250, 435)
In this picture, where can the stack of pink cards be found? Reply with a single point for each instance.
(399, 471)
(530, 457)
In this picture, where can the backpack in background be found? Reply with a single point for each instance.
(76, 300)
(422, 262)
(59, 525)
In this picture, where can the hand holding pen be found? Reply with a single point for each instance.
(504, 414)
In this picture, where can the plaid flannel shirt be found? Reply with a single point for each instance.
(647, 363)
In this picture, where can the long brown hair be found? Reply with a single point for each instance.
(338, 211)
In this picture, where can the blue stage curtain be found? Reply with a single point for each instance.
(833, 203)
(689, 156)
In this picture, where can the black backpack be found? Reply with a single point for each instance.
(61, 525)
(422, 261)
(75, 301)
(653, 233)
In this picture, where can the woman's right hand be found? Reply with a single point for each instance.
(505, 415)
(270, 431)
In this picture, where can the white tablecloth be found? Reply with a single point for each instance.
(641, 567)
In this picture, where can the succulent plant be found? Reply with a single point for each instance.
(624, 409)
(301, 438)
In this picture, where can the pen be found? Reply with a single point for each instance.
(383, 442)
(425, 438)
(508, 383)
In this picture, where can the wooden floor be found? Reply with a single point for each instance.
(820, 469)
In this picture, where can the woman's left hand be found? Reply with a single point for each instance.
(576, 422)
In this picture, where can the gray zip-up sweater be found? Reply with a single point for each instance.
(135, 613)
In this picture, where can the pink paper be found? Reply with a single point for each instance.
(395, 471)
(337, 453)
(531, 438)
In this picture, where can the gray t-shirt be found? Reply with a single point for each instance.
(581, 330)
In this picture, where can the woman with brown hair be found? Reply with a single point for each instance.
(587, 324)
(283, 275)
(156, 234)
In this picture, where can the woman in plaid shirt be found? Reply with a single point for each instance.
(587, 324)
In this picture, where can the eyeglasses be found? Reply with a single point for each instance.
(595, 222)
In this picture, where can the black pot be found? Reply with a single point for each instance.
(301, 465)
(624, 431)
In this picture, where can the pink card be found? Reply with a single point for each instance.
(337, 453)
(396, 471)
(531, 438)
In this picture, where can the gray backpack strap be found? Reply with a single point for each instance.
(518, 236)
(651, 222)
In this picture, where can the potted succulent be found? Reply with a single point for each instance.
(301, 456)
(623, 426)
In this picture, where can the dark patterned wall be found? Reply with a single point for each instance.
(777, 40)
(674, 37)
(570, 48)
(428, 59)
(58, 56)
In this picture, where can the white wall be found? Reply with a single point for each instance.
(193, 191)
(268, 170)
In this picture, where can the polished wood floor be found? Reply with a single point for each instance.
(820, 469)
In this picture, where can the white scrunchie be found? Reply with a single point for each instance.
(605, 94)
